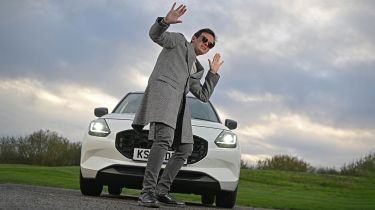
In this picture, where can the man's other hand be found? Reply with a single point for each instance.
(216, 63)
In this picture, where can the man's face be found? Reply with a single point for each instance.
(201, 44)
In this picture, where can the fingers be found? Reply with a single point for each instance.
(215, 63)
(174, 4)
(217, 57)
(216, 60)
(180, 9)
(183, 10)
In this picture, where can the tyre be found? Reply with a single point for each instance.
(90, 186)
(226, 199)
(208, 199)
(114, 190)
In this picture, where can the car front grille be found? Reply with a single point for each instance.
(127, 140)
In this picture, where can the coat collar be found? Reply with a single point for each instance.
(191, 57)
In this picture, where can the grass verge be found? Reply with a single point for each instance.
(257, 188)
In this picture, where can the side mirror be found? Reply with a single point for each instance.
(101, 111)
(231, 124)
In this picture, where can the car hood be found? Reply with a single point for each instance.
(194, 122)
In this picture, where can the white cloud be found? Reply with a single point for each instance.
(138, 80)
(299, 136)
(355, 54)
(272, 124)
(239, 96)
(32, 105)
(283, 31)
(73, 96)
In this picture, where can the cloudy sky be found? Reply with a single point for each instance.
(298, 76)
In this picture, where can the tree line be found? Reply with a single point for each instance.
(364, 166)
(42, 147)
(45, 147)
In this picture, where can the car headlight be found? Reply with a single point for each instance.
(99, 127)
(226, 139)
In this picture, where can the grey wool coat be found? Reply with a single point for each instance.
(170, 82)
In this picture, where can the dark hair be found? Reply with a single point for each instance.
(206, 30)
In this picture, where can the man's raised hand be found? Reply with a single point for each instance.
(174, 14)
(216, 63)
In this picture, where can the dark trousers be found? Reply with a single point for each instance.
(163, 138)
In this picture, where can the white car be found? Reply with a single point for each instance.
(114, 155)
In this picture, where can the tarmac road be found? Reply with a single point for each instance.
(15, 196)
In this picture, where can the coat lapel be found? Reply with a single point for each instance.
(190, 56)
(200, 71)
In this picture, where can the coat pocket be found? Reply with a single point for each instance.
(169, 81)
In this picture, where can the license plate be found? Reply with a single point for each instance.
(142, 155)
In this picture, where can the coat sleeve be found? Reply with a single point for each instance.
(204, 92)
(159, 34)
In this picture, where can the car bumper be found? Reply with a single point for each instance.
(132, 177)
(219, 170)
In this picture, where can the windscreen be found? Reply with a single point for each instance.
(198, 109)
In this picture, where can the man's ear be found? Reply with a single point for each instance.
(193, 38)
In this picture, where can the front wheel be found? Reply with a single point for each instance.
(226, 199)
(90, 186)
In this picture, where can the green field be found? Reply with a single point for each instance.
(258, 188)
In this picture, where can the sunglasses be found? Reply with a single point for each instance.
(210, 44)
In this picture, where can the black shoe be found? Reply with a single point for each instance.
(148, 199)
(169, 200)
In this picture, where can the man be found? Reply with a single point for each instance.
(176, 72)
